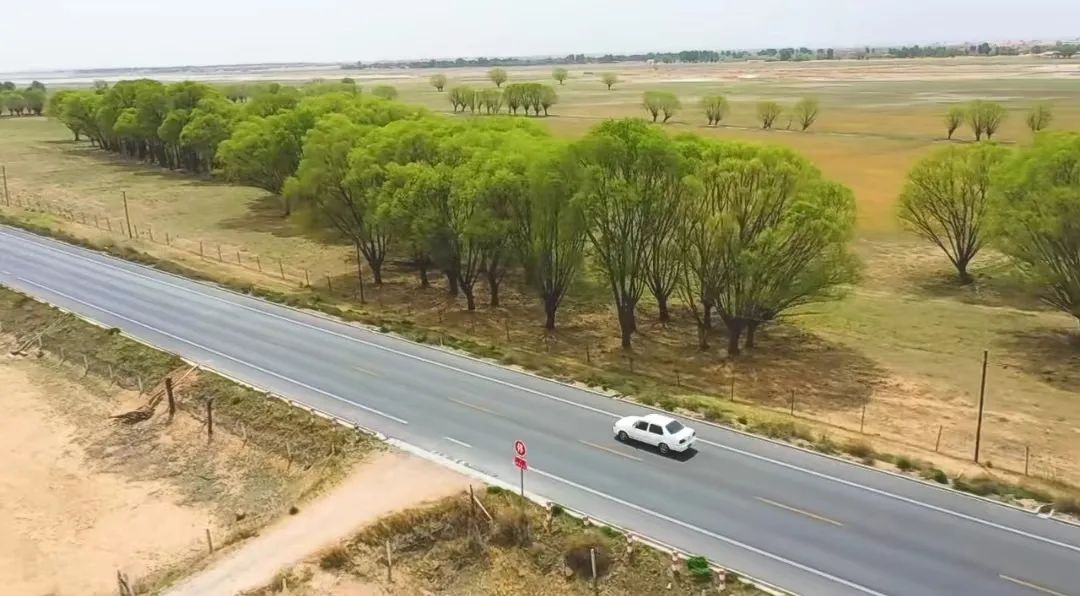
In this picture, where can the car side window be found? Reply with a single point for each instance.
(642, 426)
(655, 429)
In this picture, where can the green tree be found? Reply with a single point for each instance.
(462, 97)
(715, 107)
(763, 234)
(946, 200)
(547, 98)
(560, 75)
(210, 124)
(491, 100)
(15, 102)
(985, 117)
(385, 91)
(768, 112)
(549, 229)
(497, 76)
(438, 81)
(953, 119)
(661, 102)
(609, 79)
(1037, 217)
(633, 182)
(265, 152)
(806, 111)
(1039, 117)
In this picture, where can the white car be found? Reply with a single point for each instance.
(666, 434)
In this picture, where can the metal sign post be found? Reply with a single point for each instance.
(521, 463)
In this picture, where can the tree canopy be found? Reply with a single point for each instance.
(1037, 216)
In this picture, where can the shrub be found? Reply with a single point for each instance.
(981, 486)
(936, 475)
(904, 464)
(512, 528)
(557, 509)
(495, 490)
(860, 449)
(667, 403)
(610, 532)
(741, 420)
(713, 414)
(578, 558)
(1068, 505)
(699, 568)
(825, 445)
(336, 557)
(648, 399)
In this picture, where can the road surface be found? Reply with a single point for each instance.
(808, 523)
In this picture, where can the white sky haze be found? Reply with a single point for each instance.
(118, 33)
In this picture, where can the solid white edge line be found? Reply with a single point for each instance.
(545, 395)
(900, 498)
(462, 443)
(216, 353)
(710, 534)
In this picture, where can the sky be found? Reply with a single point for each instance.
(66, 34)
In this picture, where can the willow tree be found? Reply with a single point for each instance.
(763, 234)
(947, 197)
(1037, 217)
(632, 187)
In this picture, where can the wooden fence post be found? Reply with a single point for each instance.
(209, 419)
(169, 396)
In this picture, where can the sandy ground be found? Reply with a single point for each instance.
(66, 526)
(386, 483)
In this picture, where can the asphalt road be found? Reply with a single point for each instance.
(802, 521)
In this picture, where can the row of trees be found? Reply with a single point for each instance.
(986, 117)
(19, 102)
(1026, 202)
(741, 233)
(500, 76)
(516, 96)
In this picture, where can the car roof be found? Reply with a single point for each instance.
(657, 419)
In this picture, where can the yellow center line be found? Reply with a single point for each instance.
(473, 406)
(1035, 587)
(799, 511)
(610, 450)
(366, 371)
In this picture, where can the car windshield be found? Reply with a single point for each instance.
(674, 426)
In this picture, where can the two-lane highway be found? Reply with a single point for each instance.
(808, 523)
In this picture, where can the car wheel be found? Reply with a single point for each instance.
(664, 449)
(622, 436)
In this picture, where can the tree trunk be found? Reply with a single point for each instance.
(734, 332)
(376, 270)
(707, 319)
(962, 272)
(551, 304)
(626, 325)
(424, 281)
(470, 299)
(751, 329)
(360, 272)
(661, 304)
(493, 286)
(703, 337)
(452, 283)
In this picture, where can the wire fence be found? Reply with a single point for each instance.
(865, 411)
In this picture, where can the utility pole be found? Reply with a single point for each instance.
(127, 215)
(982, 401)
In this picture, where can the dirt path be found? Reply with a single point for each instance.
(384, 484)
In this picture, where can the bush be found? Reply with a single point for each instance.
(741, 420)
(557, 509)
(335, 558)
(610, 532)
(982, 486)
(512, 528)
(860, 449)
(936, 475)
(713, 414)
(699, 568)
(667, 403)
(495, 490)
(1067, 505)
(578, 558)
(904, 464)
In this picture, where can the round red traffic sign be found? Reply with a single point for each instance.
(519, 448)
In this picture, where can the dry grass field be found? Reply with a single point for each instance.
(906, 342)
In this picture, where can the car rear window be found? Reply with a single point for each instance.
(674, 426)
